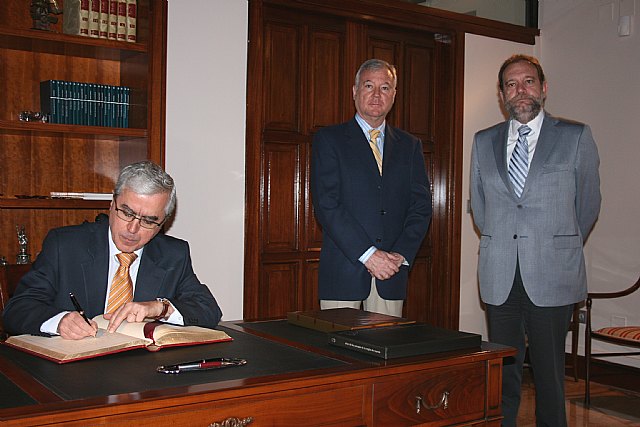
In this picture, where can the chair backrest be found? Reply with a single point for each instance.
(10, 276)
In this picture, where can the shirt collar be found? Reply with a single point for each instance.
(366, 127)
(113, 249)
(534, 124)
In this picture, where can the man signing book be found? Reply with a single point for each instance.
(122, 268)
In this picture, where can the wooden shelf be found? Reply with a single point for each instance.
(64, 44)
(49, 203)
(50, 128)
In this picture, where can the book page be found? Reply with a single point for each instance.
(167, 334)
(62, 349)
(132, 329)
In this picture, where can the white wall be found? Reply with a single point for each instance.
(592, 77)
(206, 80)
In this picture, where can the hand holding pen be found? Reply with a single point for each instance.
(69, 328)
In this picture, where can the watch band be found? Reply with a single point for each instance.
(165, 307)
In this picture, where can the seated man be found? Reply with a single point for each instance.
(92, 262)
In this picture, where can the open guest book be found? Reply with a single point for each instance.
(150, 335)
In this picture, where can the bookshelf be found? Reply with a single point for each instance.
(38, 158)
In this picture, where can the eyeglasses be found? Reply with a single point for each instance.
(128, 216)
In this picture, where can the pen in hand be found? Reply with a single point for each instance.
(79, 309)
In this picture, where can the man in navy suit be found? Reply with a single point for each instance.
(535, 195)
(83, 259)
(371, 195)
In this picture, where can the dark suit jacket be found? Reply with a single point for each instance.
(358, 208)
(75, 259)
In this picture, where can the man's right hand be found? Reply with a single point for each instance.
(382, 265)
(73, 327)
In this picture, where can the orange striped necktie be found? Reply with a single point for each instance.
(121, 285)
(373, 142)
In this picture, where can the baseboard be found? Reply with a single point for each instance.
(608, 373)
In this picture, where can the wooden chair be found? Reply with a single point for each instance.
(10, 275)
(628, 336)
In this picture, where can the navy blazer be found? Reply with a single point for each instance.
(357, 208)
(75, 259)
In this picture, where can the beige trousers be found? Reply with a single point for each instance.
(374, 303)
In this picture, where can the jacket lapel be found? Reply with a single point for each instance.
(95, 270)
(361, 147)
(500, 153)
(150, 274)
(546, 141)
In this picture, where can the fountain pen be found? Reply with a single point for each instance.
(201, 365)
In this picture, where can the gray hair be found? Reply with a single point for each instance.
(147, 178)
(376, 64)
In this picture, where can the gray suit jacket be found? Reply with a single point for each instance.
(547, 226)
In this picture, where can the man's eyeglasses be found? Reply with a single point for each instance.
(128, 216)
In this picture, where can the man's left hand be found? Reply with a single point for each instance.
(134, 312)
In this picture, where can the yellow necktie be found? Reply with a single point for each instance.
(373, 142)
(121, 285)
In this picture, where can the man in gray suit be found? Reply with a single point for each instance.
(535, 195)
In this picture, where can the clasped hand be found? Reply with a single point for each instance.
(383, 265)
(74, 327)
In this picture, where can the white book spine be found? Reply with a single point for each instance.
(94, 18)
(132, 13)
(122, 20)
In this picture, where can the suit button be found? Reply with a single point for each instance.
(519, 206)
(515, 236)
(382, 212)
(378, 240)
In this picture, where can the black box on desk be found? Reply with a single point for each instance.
(401, 341)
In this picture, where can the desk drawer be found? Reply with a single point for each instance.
(455, 394)
(308, 407)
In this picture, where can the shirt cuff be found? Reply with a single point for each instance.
(365, 256)
(51, 326)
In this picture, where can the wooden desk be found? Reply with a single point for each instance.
(293, 377)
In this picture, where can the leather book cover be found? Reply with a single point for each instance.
(343, 319)
(406, 340)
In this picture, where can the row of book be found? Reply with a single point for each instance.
(88, 104)
(105, 19)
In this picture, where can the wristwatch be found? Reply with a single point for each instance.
(165, 307)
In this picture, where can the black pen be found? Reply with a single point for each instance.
(78, 307)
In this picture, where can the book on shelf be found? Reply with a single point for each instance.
(84, 196)
(113, 20)
(132, 12)
(150, 335)
(94, 18)
(122, 21)
(343, 319)
(405, 340)
(88, 104)
(104, 19)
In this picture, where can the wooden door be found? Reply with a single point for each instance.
(301, 69)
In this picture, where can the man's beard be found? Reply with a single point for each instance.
(524, 113)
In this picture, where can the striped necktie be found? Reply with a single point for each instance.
(519, 164)
(373, 142)
(121, 286)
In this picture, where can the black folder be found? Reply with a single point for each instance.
(401, 341)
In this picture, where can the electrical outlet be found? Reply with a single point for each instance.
(618, 321)
(582, 316)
